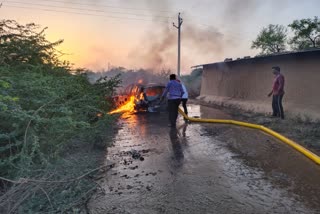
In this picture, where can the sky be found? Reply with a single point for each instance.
(99, 34)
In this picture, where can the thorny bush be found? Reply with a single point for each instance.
(47, 112)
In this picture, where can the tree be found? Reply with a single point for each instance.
(306, 33)
(271, 39)
(24, 44)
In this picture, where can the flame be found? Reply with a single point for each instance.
(127, 107)
(141, 96)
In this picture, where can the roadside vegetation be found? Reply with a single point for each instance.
(53, 125)
(193, 82)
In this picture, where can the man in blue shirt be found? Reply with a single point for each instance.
(175, 91)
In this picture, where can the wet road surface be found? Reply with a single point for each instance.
(203, 168)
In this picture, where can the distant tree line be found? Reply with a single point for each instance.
(193, 82)
(274, 38)
(130, 76)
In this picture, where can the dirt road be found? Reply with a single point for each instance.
(203, 168)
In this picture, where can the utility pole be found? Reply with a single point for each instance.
(2, 3)
(179, 40)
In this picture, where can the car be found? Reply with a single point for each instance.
(145, 97)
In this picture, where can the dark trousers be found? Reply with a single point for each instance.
(173, 106)
(277, 106)
(184, 105)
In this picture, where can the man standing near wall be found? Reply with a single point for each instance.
(175, 91)
(277, 92)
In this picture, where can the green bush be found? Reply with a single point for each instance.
(46, 109)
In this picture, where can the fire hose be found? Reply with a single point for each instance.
(315, 158)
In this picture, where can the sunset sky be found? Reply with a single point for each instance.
(139, 33)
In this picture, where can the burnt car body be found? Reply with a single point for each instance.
(147, 97)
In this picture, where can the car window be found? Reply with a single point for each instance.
(154, 91)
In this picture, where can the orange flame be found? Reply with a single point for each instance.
(127, 107)
(141, 96)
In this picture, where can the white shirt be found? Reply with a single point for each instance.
(185, 94)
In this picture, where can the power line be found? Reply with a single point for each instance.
(87, 14)
(95, 10)
(96, 15)
(82, 9)
(106, 6)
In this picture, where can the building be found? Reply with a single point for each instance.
(244, 83)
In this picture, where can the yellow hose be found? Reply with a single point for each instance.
(315, 158)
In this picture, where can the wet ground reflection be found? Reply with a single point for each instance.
(195, 168)
(177, 147)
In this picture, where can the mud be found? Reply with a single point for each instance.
(203, 168)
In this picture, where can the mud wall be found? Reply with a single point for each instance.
(245, 83)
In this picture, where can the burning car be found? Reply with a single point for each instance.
(139, 97)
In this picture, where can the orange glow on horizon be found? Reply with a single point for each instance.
(91, 50)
